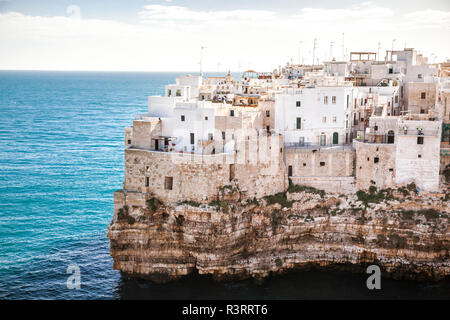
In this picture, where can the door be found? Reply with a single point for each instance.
(335, 138)
(323, 140)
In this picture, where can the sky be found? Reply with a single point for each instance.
(166, 35)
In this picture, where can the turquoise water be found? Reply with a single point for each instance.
(61, 159)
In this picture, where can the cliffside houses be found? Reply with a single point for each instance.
(341, 126)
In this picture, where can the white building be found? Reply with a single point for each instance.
(317, 115)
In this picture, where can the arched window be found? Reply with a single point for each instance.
(391, 136)
(335, 138)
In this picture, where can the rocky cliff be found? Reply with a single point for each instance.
(405, 232)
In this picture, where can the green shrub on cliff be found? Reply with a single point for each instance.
(296, 188)
(220, 205)
(280, 198)
(154, 203)
(190, 203)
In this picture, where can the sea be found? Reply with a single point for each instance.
(61, 159)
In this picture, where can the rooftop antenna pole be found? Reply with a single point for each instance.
(314, 50)
(378, 52)
(331, 50)
(201, 60)
(300, 52)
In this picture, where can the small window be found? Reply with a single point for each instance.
(423, 95)
(182, 118)
(322, 164)
(334, 119)
(299, 123)
(376, 160)
(391, 169)
(281, 150)
(210, 136)
(375, 128)
(290, 171)
(324, 119)
(419, 140)
(396, 99)
(325, 100)
(419, 156)
(298, 104)
(304, 164)
(178, 94)
(192, 138)
(232, 113)
(169, 93)
(333, 99)
(223, 135)
(147, 181)
(419, 76)
(129, 141)
(267, 113)
(206, 118)
(168, 183)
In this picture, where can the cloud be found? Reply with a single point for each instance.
(168, 37)
(428, 19)
(157, 14)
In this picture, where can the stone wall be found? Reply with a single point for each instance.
(375, 163)
(415, 102)
(320, 162)
(257, 169)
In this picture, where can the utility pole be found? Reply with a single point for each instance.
(314, 50)
(201, 60)
(331, 50)
(300, 52)
(378, 52)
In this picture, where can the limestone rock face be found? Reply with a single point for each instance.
(254, 239)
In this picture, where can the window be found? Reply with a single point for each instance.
(423, 95)
(301, 141)
(419, 76)
(334, 119)
(178, 94)
(325, 100)
(192, 138)
(168, 183)
(169, 93)
(396, 99)
(298, 104)
(324, 119)
(182, 118)
(419, 140)
(304, 164)
(391, 136)
(290, 171)
(333, 99)
(376, 159)
(419, 156)
(232, 113)
(375, 128)
(223, 135)
(206, 118)
(322, 164)
(348, 101)
(147, 181)
(129, 141)
(267, 113)
(210, 136)
(299, 123)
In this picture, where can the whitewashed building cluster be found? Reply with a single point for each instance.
(341, 126)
